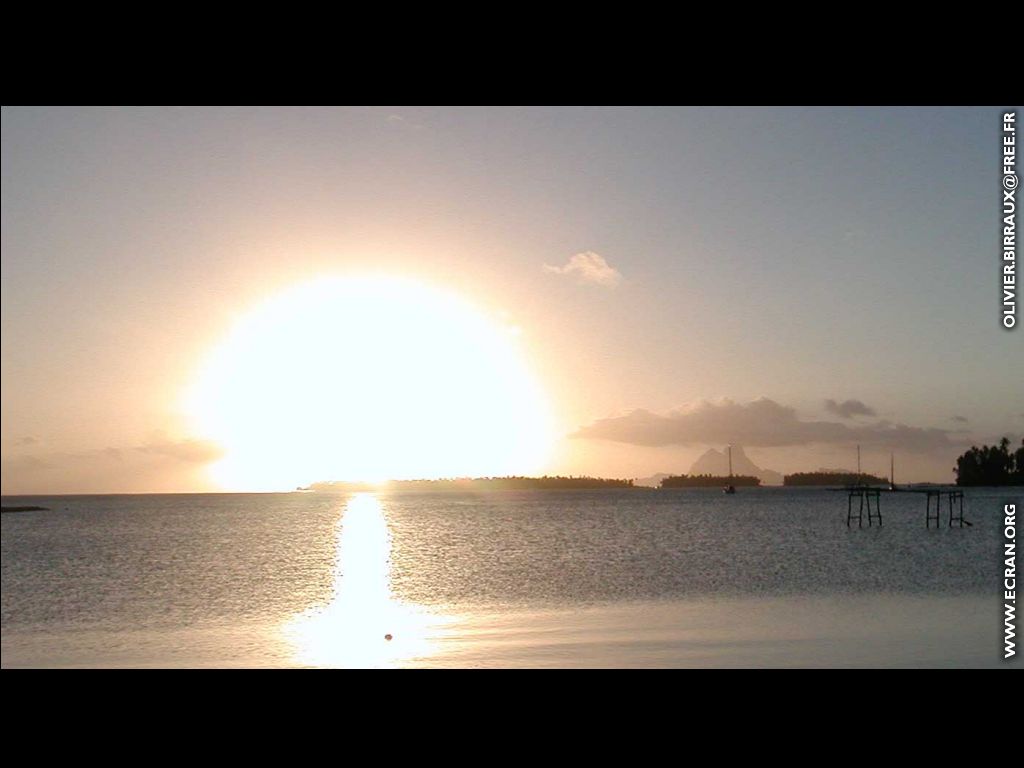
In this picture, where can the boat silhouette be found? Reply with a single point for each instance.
(730, 488)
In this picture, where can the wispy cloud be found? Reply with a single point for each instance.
(23, 464)
(158, 463)
(589, 267)
(959, 419)
(762, 423)
(189, 451)
(403, 122)
(849, 408)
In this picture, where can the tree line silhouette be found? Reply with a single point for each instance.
(709, 481)
(514, 483)
(991, 465)
(832, 478)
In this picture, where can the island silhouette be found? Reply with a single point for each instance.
(832, 477)
(710, 481)
(988, 466)
(513, 483)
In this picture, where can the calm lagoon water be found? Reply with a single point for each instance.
(691, 578)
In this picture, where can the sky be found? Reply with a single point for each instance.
(797, 281)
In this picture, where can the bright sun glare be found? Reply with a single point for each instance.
(363, 625)
(367, 379)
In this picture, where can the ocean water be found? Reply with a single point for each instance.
(689, 578)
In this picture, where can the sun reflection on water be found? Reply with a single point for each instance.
(363, 626)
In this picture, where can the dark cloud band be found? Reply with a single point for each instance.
(763, 423)
(849, 408)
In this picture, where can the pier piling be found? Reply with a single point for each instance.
(864, 497)
(955, 499)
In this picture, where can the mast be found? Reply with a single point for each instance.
(859, 474)
(730, 462)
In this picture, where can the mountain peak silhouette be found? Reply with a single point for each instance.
(715, 462)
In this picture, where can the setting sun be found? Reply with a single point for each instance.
(509, 386)
(367, 379)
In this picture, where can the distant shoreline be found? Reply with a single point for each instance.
(510, 483)
(808, 488)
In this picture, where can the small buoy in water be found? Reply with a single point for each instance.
(387, 637)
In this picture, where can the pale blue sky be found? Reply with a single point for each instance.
(796, 254)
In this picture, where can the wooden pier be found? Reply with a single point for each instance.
(859, 499)
(956, 506)
(864, 495)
